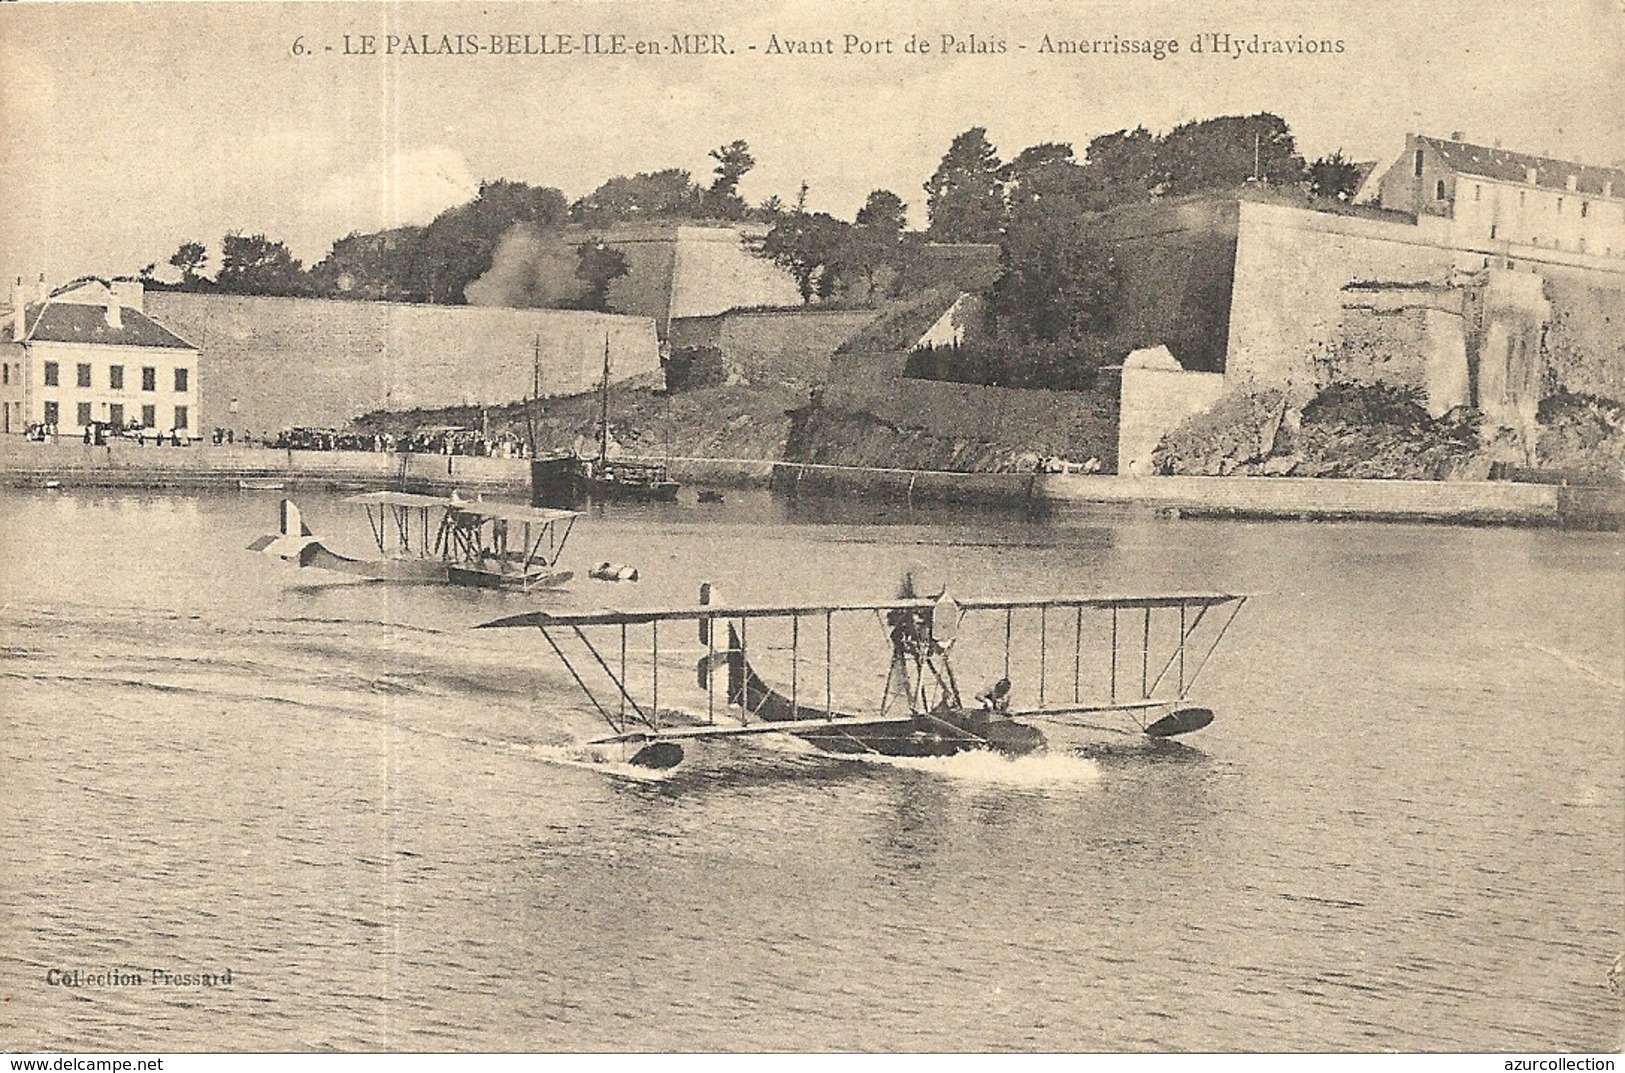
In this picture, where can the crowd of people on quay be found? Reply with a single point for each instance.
(435, 440)
(432, 441)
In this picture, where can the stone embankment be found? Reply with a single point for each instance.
(1059, 496)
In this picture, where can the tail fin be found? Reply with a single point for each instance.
(291, 523)
(293, 536)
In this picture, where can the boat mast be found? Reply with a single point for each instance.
(535, 393)
(603, 431)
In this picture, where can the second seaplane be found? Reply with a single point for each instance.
(1079, 658)
(443, 539)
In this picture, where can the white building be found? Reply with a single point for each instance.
(89, 354)
(1509, 201)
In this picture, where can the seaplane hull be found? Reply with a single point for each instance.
(943, 731)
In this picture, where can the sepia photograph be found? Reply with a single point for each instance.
(878, 527)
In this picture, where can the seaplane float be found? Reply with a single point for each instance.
(1081, 658)
(444, 539)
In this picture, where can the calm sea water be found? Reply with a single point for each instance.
(1406, 829)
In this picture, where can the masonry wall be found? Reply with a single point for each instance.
(714, 270)
(1406, 337)
(1072, 424)
(1177, 264)
(1585, 339)
(272, 363)
(1155, 401)
(1291, 269)
(792, 348)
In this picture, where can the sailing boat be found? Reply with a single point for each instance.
(604, 478)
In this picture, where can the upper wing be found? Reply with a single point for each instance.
(638, 616)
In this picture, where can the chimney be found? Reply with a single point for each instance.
(41, 291)
(19, 311)
(1531, 176)
(1574, 182)
(131, 294)
(1608, 188)
(115, 311)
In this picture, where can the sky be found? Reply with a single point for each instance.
(127, 129)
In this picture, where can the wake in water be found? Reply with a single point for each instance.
(982, 766)
(589, 759)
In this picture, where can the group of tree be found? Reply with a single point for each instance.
(1051, 308)
(832, 259)
(436, 262)
(973, 194)
(671, 192)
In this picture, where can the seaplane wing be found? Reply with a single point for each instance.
(646, 615)
(1136, 655)
(403, 499)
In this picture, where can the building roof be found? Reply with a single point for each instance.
(1467, 159)
(72, 322)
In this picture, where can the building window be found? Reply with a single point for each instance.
(51, 413)
(5, 372)
(180, 380)
(1418, 163)
(149, 416)
(1523, 197)
(1585, 209)
(1560, 206)
(180, 417)
(84, 414)
(115, 377)
(1438, 190)
(1478, 192)
(50, 374)
(84, 374)
(115, 414)
(149, 378)
(1492, 230)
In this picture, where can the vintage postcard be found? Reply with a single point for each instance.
(600, 526)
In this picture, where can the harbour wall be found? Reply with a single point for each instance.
(1057, 496)
(125, 465)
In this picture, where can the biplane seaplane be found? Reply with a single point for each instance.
(1077, 659)
(438, 539)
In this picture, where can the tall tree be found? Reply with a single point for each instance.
(254, 264)
(1332, 176)
(874, 246)
(670, 192)
(190, 259)
(883, 211)
(1039, 173)
(458, 245)
(964, 196)
(812, 247)
(1058, 282)
(722, 200)
(1121, 169)
(598, 266)
(379, 266)
(1227, 151)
